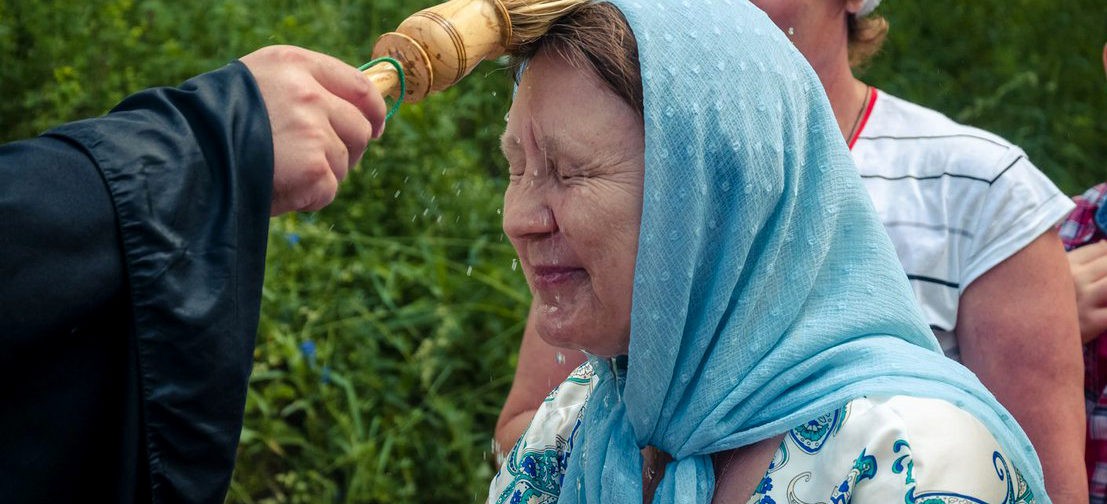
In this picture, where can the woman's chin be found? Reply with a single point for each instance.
(558, 329)
(568, 330)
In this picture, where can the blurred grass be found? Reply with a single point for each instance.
(391, 319)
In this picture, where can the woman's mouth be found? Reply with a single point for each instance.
(549, 277)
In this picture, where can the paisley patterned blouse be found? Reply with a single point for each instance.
(872, 450)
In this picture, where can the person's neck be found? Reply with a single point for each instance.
(846, 93)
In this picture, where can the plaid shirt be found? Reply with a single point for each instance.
(1085, 225)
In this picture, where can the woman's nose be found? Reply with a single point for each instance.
(527, 213)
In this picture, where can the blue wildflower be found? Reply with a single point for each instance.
(307, 349)
(293, 238)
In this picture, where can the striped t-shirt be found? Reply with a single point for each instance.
(956, 201)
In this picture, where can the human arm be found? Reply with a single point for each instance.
(539, 370)
(173, 189)
(1017, 332)
(57, 217)
(1088, 265)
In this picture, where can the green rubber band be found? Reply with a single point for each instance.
(399, 70)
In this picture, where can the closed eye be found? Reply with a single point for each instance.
(513, 153)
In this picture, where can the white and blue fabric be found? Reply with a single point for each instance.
(871, 450)
(766, 291)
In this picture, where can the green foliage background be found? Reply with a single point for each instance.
(390, 319)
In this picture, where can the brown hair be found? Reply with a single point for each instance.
(596, 37)
(866, 36)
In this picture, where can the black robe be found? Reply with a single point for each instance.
(132, 250)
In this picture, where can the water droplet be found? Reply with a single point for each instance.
(791, 30)
(514, 264)
(560, 358)
(493, 93)
(469, 271)
(396, 195)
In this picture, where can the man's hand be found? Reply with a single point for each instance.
(1089, 272)
(323, 113)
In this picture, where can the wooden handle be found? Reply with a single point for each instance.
(383, 75)
(439, 45)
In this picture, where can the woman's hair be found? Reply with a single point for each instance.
(866, 36)
(594, 37)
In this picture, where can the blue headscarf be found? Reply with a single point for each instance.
(766, 292)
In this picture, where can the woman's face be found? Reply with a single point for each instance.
(574, 203)
(816, 27)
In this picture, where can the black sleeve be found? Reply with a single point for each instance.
(188, 173)
(60, 256)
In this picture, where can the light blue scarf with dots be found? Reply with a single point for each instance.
(766, 292)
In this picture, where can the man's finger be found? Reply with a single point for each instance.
(1092, 271)
(1088, 252)
(352, 129)
(347, 83)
